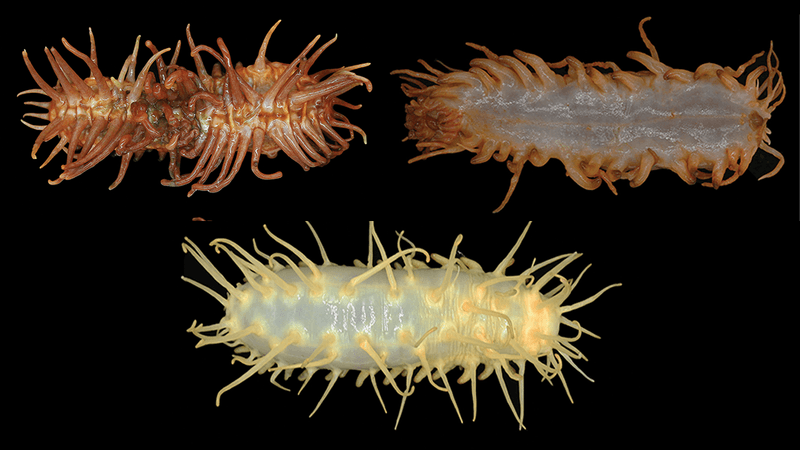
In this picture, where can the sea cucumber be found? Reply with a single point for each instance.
(391, 318)
(602, 123)
(216, 118)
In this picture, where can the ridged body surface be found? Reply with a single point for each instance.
(604, 124)
(704, 116)
(373, 312)
(394, 318)
(215, 118)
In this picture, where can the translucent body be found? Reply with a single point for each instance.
(604, 124)
(375, 318)
(572, 123)
(391, 323)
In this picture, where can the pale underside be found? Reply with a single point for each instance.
(704, 117)
(305, 318)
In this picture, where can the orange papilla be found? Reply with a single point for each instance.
(216, 118)
(444, 117)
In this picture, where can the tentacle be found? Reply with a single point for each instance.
(441, 119)
(217, 118)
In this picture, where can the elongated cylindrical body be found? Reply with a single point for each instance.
(215, 118)
(391, 323)
(603, 123)
(392, 318)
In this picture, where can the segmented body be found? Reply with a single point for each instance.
(378, 318)
(602, 123)
(215, 118)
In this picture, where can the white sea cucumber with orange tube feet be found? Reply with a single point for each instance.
(603, 123)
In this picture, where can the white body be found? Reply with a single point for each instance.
(394, 321)
(579, 122)
(371, 312)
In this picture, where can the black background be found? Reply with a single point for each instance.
(99, 327)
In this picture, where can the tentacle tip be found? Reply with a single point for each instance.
(769, 174)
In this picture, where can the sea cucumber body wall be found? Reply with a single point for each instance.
(389, 322)
(216, 118)
(395, 318)
(604, 124)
